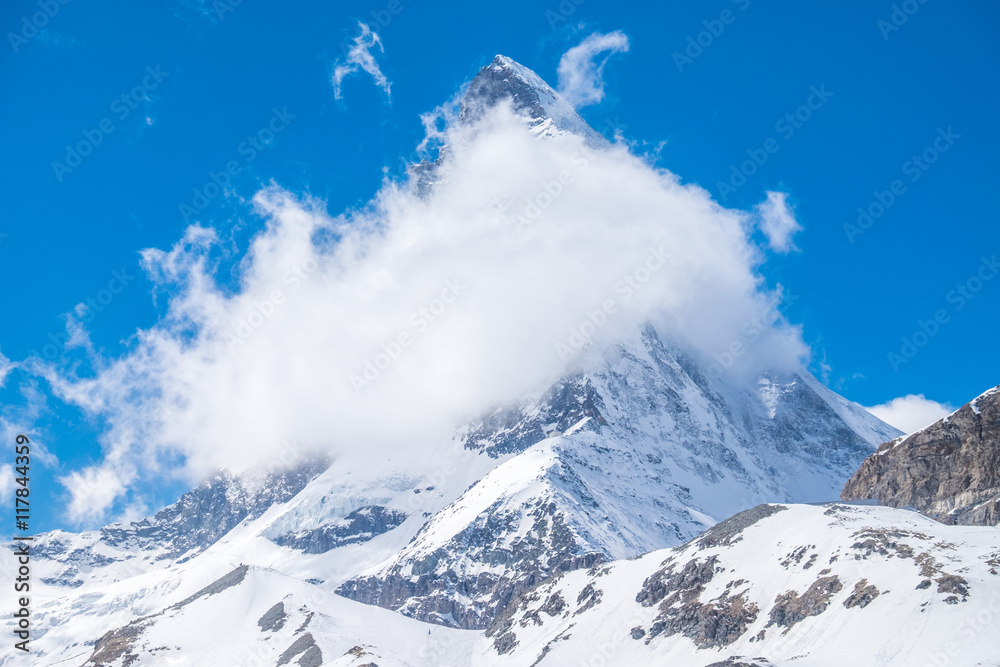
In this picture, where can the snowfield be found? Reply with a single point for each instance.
(779, 585)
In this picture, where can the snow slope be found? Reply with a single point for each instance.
(659, 450)
(777, 585)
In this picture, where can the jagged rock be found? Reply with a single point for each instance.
(425, 588)
(356, 527)
(949, 471)
(862, 596)
(273, 619)
(726, 532)
(790, 608)
(512, 429)
(198, 520)
(304, 645)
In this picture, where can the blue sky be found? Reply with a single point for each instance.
(170, 93)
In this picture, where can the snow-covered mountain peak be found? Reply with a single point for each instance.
(530, 96)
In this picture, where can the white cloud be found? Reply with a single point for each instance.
(911, 413)
(94, 490)
(482, 277)
(777, 222)
(6, 366)
(581, 68)
(7, 482)
(360, 55)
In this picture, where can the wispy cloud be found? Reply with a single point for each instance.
(360, 56)
(581, 68)
(777, 222)
(5, 368)
(911, 413)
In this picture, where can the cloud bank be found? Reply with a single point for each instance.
(911, 413)
(581, 68)
(380, 330)
(777, 222)
(360, 55)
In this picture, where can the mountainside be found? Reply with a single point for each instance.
(949, 471)
(273, 619)
(776, 585)
(639, 449)
(652, 451)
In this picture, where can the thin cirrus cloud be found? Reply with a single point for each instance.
(481, 281)
(777, 222)
(360, 56)
(581, 68)
(911, 413)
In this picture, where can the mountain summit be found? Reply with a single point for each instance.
(506, 80)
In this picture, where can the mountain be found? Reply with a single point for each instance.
(177, 533)
(364, 561)
(544, 110)
(949, 471)
(775, 585)
(643, 450)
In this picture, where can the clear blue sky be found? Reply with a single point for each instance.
(196, 85)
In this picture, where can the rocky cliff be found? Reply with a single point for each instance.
(949, 471)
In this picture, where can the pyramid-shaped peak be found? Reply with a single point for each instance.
(505, 79)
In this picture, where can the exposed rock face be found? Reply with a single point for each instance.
(432, 588)
(195, 522)
(949, 471)
(505, 80)
(681, 447)
(358, 526)
(305, 647)
(273, 619)
(772, 585)
(790, 608)
(512, 429)
(862, 596)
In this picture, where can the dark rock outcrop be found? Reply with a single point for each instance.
(790, 607)
(356, 527)
(949, 471)
(432, 588)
